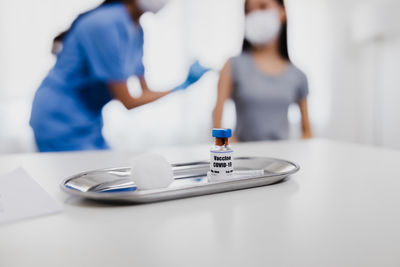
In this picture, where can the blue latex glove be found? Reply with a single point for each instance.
(196, 71)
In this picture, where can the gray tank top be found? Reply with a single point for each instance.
(262, 100)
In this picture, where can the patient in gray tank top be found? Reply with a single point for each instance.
(262, 81)
(262, 100)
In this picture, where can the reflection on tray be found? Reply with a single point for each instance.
(102, 183)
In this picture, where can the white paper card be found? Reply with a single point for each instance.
(21, 197)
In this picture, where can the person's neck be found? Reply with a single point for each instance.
(268, 59)
(268, 52)
(133, 10)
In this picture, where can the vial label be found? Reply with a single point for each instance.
(221, 163)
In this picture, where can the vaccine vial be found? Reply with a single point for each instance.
(221, 154)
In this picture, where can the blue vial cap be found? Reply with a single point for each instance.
(221, 133)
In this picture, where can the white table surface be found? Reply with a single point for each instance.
(341, 209)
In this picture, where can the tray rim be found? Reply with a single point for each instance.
(135, 196)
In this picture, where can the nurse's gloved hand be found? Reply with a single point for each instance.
(196, 71)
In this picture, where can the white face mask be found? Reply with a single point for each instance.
(262, 26)
(151, 5)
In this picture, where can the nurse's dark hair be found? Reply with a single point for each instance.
(60, 37)
(282, 41)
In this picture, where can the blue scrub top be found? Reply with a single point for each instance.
(103, 46)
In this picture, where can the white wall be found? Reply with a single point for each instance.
(376, 33)
(351, 53)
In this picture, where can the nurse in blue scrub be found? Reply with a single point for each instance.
(101, 50)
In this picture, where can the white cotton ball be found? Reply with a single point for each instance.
(151, 171)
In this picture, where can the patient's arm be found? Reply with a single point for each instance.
(120, 91)
(224, 93)
(305, 122)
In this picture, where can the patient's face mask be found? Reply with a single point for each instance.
(151, 5)
(262, 26)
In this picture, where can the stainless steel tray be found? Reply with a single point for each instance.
(115, 185)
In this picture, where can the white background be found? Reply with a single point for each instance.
(350, 51)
